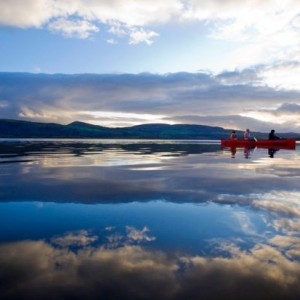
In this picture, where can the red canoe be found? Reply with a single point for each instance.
(283, 144)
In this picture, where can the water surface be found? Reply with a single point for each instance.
(111, 219)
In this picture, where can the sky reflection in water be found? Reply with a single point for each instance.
(138, 220)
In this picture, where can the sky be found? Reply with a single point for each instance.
(233, 63)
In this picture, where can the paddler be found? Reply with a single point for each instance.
(273, 136)
(248, 136)
(233, 135)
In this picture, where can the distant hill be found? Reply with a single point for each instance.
(24, 129)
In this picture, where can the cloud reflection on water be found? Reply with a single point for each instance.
(91, 172)
(126, 265)
(39, 269)
(196, 173)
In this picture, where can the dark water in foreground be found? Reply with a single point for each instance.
(148, 220)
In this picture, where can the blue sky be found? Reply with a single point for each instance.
(49, 52)
(236, 63)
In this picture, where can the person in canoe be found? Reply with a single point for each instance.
(233, 135)
(273, 136)
(248, 136)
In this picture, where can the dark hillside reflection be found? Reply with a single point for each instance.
(148, 220)
(93, 172)
(25, 148)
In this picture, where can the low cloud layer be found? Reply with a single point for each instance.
(231, 100)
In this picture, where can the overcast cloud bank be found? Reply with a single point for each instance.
(229, 99)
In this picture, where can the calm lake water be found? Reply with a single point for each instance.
(111, 219)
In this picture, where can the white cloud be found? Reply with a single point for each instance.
(283, 75)
(25, 13)
(79, 238)
(90, 14)
(246, 225)
(108, 117)
(140, 35)
(262, 30)
(136, 235)
(117, 29)
(80, 28)
(136, 34)
(36, 113)
(287, 115)
(111, 41)
(285, 242)
(286, 203)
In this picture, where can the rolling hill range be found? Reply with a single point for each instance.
(25, 129)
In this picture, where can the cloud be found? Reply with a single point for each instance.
(228, 121)
(289, 108)
(80, 238)
(138, 36)
(81, 29)
(138, 235)
(245, 19)
(111, 41)
(261, 33)
(285, 210)
(260, 24)
(145, 171)
(281, 75)
(282, 203)
(255, 27)
(131, 236)
(29, 13)
(58, 16)
(132, 272)
(241, 77)
(285, 115)
(229, 99)
(290, 244)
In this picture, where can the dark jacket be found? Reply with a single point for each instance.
(273, 136)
